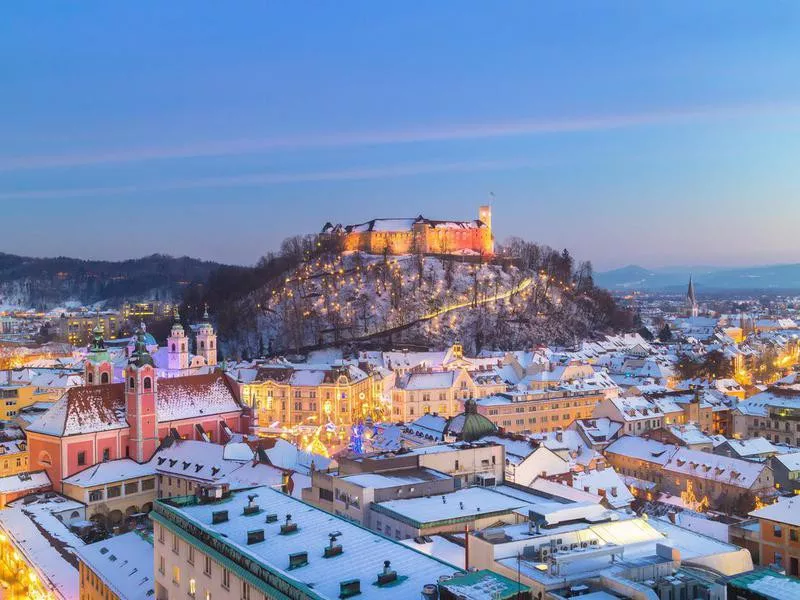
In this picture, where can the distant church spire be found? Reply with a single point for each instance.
(691, 299)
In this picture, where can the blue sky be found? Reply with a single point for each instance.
(657, 133)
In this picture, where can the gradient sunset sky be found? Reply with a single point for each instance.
(655, 133)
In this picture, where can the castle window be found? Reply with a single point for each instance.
(148, 383)
(202, 345)
(103, 377)
(131, 383)
(173, 347)
(211, 345)
(89, 378)
(183, 347)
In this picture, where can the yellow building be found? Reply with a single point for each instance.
(443, 392)
(115, 493)
(295, 395)
(13, 457)
(117, 568)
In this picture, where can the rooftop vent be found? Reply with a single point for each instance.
(252, 508)
(272, 518)
(387, 576)
(288, 527)
(214, 470)
(349, 588)
(219, 516)
(255, 536)
(172, 462)
(297, 560)
(186, 464)
(333, 549)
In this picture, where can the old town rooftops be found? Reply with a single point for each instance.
(713, 467)
(89, 409)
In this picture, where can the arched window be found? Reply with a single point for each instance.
(202, 345)
(183, 347)
(103, 377)
(131, 383)
(173, 347)
(75, 515)
(90, 377)
(148, 383)
(211, 344)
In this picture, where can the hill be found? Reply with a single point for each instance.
(355, 298)
(43, 283)
(711, 279)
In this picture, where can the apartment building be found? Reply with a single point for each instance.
(262, 544)
(537, 411)
(779, 525)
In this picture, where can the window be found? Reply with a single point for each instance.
(793, 535)
(161, 566)
(95, 495)
(161, 534)
(207, 566)
(776, 531)
(190, 556)
(192, 587)
(106, 454)
(226, 579)
(175, 544)
(115, 491)
(176, 574)
(148, 383)
(132, 487)
(245, 591)
(208, 595)
(148, 484)
(81, 458)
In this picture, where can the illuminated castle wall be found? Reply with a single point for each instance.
(417, 235)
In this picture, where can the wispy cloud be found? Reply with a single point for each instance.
(445, 133)
(263, 179)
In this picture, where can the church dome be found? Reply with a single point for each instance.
(470, 425)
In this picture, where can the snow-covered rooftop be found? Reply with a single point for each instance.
(124, 563)
(110, 472)
(364, 550)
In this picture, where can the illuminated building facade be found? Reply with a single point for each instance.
(292, 395)
(416, 235)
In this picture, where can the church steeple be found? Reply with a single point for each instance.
(691, 299)
(207, 340)
(98, 368)
(177, 346)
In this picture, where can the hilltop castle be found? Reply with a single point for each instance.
(417, 235)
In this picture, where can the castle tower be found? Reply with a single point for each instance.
(98, 369)
(140, 402)
(485, 216)
(177, 346)
(207, 341)
(691, 299)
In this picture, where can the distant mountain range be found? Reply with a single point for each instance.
(768, 278)
(44, 283)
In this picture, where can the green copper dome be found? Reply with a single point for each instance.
(470, 425)
(141, 356)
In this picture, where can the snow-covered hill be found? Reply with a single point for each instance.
(353, 297)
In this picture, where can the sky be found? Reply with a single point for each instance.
(652, 133)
